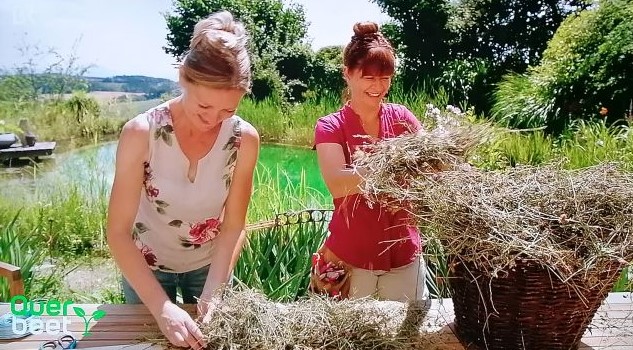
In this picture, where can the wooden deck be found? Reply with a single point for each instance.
(40, 149)
(131, 327)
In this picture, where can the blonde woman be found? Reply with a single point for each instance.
(183, 180)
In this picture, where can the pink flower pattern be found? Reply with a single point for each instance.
(202, 232)
(148, 176)
(149, 255)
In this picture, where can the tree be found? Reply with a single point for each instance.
(273, 29)
(585, 67)
(510, 34)
(467, 45)
(271, 25)
(327, 74)
(42, 72)
(422, 35)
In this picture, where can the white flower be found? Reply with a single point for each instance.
(600, 143)
(453, 109)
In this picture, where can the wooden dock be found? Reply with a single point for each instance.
(40, 149)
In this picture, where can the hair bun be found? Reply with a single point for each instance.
(222, 21)
(219, 28)
(362, 29)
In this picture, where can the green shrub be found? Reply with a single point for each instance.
(588, 61)
(586, 66)
(522, 102)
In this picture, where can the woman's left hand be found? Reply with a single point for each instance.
(206, 308)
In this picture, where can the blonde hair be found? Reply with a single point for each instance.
(218, 56)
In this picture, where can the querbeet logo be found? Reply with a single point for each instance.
(24, 313)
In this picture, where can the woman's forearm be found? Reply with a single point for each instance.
(342, 182)
(138, 274)
(222, 256)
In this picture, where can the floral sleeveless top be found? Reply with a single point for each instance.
(178, 219)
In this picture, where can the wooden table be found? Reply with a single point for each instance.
(131, 327)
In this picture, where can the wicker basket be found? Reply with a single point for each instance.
(526, 308)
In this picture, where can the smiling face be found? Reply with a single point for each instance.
(367, 86)
(206, 107)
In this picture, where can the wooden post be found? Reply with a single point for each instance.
(13, 274)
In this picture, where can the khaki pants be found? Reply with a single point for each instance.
(406, 283)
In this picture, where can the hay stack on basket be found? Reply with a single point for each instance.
(533, 251)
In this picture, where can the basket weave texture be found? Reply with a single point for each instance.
(526, 307)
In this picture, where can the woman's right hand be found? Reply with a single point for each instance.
(179, 328)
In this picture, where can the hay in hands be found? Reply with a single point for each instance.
(395, 163)
(248, 320)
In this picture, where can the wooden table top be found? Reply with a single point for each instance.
(132, 327)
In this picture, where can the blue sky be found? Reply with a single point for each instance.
(127, 36)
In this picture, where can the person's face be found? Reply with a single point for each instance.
(207, 107)
(367, 87)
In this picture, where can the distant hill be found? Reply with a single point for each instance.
(151, 87)
(14, 86)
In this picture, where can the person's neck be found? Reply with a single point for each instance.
(182, 122)
(366, 112)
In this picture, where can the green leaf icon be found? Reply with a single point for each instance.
(79, 311)
(98, 314)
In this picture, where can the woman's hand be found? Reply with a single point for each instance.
(206, 308)
(179, 328)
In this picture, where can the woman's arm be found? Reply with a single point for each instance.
(224, 245)
(339, 179)
(132, 151)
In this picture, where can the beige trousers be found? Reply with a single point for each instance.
(406, 283)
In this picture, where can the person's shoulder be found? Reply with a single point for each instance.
(333, 120)
(137, 129)
(248, 133)
(137, 126)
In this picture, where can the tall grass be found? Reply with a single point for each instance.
(294, 123)
(586, 144)
(82, 118)
(20, 250)
(277, 261)
(78, 119)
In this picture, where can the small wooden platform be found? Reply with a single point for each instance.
(17, 151)
(132, 327)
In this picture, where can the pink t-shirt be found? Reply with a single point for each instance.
(364, 236)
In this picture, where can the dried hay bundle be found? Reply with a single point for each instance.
(533, 251)
(248, 320)
(574, 222)
(571, 221)
(393, 165)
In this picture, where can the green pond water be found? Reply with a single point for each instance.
(92, 170)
